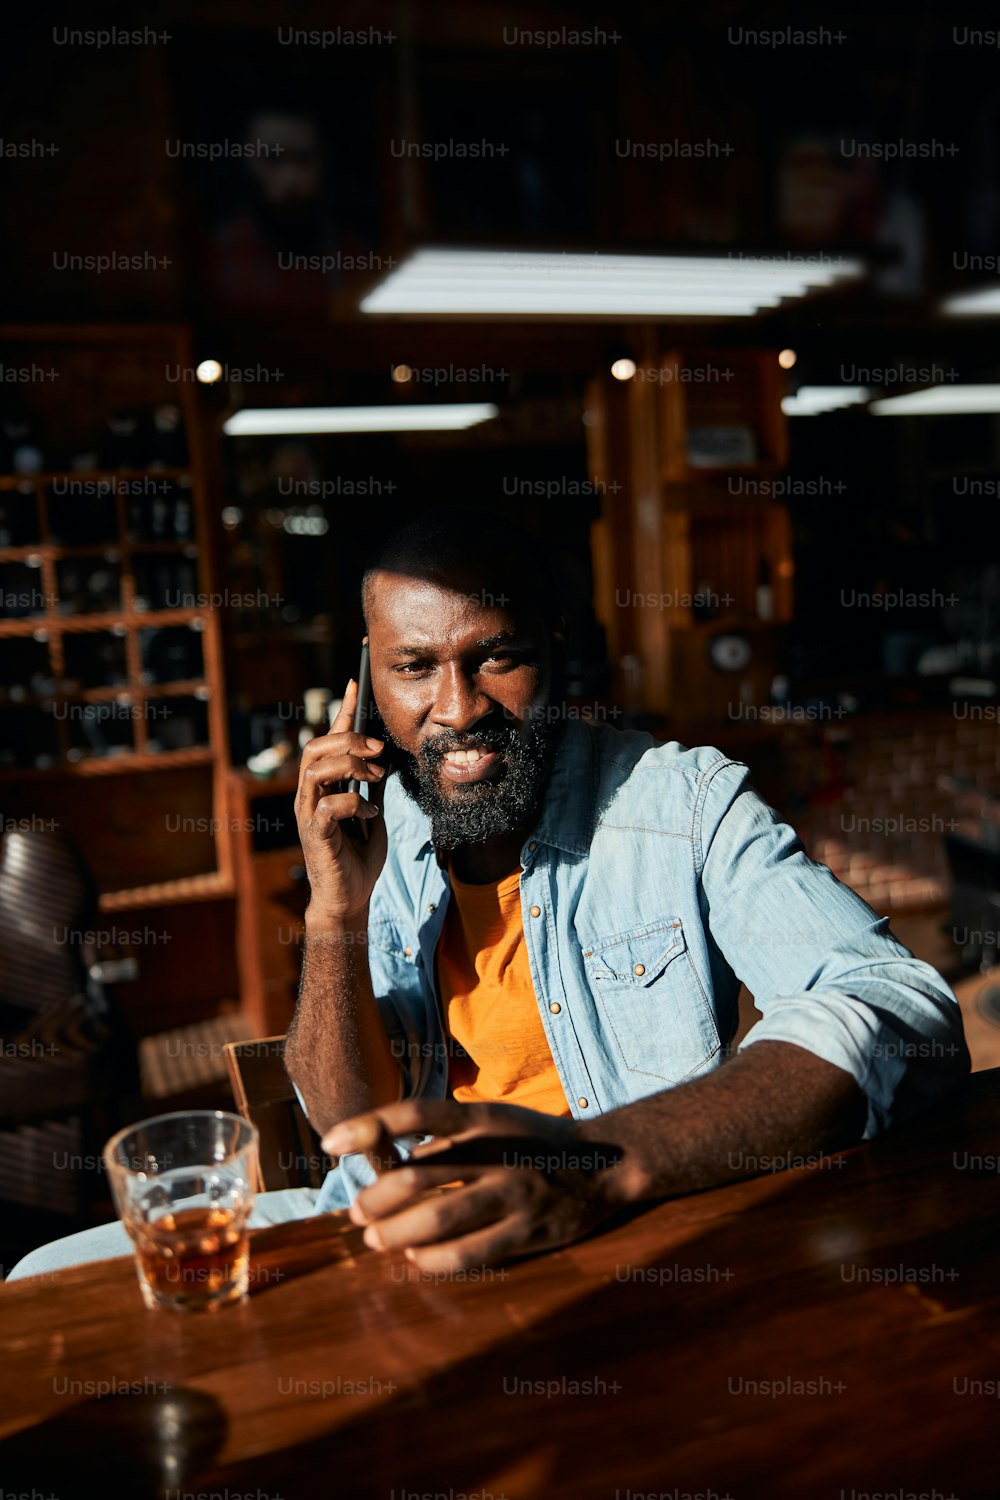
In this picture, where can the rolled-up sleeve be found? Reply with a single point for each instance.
(824, 969)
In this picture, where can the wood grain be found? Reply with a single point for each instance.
(617, 1365)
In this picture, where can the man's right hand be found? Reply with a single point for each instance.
(342, 870)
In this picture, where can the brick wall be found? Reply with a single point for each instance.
(876, 813)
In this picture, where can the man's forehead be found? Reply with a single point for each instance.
(421, 603)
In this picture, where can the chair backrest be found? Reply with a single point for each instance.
(290, 1154)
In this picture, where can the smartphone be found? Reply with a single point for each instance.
(368, 721)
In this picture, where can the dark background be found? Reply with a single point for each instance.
(898, 73)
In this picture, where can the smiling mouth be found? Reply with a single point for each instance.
(468, 765)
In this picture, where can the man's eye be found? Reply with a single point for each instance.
(506, 658)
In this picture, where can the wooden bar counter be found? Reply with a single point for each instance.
(829, 1330)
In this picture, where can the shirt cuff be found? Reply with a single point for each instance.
(844, 1032)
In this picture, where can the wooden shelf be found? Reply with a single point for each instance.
(120, 809)
(212, 886)
(121, 693)
(121, 620)
(670, 530)
(248, 640)
(191, 688)
(113, 765)
(680, 473)
(680, 619)
(90, 476)
(281, 783)
(186, 549)
(112, 551)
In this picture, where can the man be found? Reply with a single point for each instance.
(531, 963)
(572, 905)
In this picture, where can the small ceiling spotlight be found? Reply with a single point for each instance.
(623, 369)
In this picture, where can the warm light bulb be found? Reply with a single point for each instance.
(787, 358)
(401, 374)
(623, 369)
(209, 371)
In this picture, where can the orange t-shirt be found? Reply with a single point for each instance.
(490, 1009)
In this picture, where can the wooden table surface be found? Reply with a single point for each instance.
(826, 1331)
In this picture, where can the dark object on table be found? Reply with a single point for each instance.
(159, 1435)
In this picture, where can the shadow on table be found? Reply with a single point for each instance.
(139, 1445)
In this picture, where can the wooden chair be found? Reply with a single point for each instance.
(290, 1154)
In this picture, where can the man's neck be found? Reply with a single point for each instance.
(481, 864)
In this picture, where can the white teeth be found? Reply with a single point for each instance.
(462, 757)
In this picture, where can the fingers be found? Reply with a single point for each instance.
(345, 717)
(330, 812)
(406, 1117)
(335, 768)
(352, 756)
(374, 1141)
(394, 1191)
(439, 1118)
(445, 1217)
(499, 1241)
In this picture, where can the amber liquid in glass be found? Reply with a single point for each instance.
(194, 1257)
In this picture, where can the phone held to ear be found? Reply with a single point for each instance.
(367, 721)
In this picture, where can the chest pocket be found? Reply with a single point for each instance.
(652, 1002)
(385, 936)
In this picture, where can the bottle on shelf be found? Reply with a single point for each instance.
(316, 704)
(765, 597)
(21, 451)
(125, 442)
(167, 441)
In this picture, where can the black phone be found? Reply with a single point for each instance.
(365, 706)
(367, 720)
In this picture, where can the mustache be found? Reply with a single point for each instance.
(496, 737)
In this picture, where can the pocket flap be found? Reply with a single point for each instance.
(385, 935)
(638, 956)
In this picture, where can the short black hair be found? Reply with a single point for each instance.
(495, 555)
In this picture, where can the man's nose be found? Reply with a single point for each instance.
(460, 702)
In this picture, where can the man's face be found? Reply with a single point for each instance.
(461, 681)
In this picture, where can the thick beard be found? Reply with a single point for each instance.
(480, 810)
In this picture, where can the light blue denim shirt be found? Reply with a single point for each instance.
(655, 880)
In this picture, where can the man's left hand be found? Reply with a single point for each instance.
(547, 1194)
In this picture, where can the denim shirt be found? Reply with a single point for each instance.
(654, 881)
